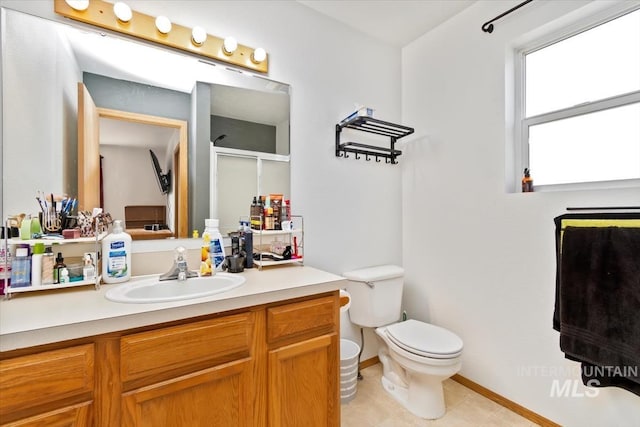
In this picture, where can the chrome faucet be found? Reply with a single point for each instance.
(179, 270)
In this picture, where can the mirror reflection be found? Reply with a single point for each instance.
(145, 98)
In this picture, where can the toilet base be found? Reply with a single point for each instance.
(424, 397)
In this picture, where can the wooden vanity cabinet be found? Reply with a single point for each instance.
(275, 365)
(303, 363)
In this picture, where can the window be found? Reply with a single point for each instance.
(579, 118)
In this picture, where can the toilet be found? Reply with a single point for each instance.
(416, 357)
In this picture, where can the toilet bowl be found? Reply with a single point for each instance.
(416, 356)
(414, 368)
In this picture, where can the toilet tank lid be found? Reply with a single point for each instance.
(373, 274)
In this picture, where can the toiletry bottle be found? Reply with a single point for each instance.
(116, 250)
(527, 182)
(216, 245)
(59, 265)
(276, 205)
(36, 229)
(36, 264)
(25, 228)
(88, 269)
(5, 263)
(47, 266)
(254, 216)
(21, 269)
(205, 259)
(265, 213)
(64, 275)
(260, 214)
(286, 211)
(268, 214)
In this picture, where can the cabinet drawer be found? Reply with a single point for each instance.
(302, 319)
(41, 378)
(196, 344)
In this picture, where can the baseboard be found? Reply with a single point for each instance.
(369, 362)
(500, 400)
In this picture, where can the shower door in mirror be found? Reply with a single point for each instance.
(243, 175)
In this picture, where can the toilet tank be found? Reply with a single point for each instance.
(376, 295)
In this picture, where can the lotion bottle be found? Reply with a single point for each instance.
(116, 252)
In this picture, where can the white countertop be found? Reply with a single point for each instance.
(34, 318)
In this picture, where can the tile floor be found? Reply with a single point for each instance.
(374, 407)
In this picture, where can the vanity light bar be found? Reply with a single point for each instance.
(101, 14)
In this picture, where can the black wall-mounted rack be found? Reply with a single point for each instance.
(375, 126)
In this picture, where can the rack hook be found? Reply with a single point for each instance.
(377, 159)
(366, 157)
(357, 156)
(346, 155)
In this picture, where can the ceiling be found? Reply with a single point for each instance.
(396, 22)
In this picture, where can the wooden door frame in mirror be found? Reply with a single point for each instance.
(181, 218)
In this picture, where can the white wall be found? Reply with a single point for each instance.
(478, 260)
(129, 178)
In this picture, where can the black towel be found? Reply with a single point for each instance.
(558, 238)
(598, 304)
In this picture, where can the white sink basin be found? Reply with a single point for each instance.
(153, 290)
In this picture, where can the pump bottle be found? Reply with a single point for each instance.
(116, 251)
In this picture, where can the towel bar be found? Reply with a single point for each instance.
(603, 208)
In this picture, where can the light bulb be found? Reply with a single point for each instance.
(198, 36)
(163, 24)
(79, 5)
(230, 45)
(122, 11)
(259, 55)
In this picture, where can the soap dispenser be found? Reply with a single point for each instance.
(116, 250)
(527, 182)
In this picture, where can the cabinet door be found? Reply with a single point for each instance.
(44, 382)
(73, 416)
(219, 396)
(303, 383)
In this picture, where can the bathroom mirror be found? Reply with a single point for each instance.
(40, 118)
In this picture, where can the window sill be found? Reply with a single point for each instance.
(598, 185)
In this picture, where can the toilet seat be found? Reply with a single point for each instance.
(424, 339)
